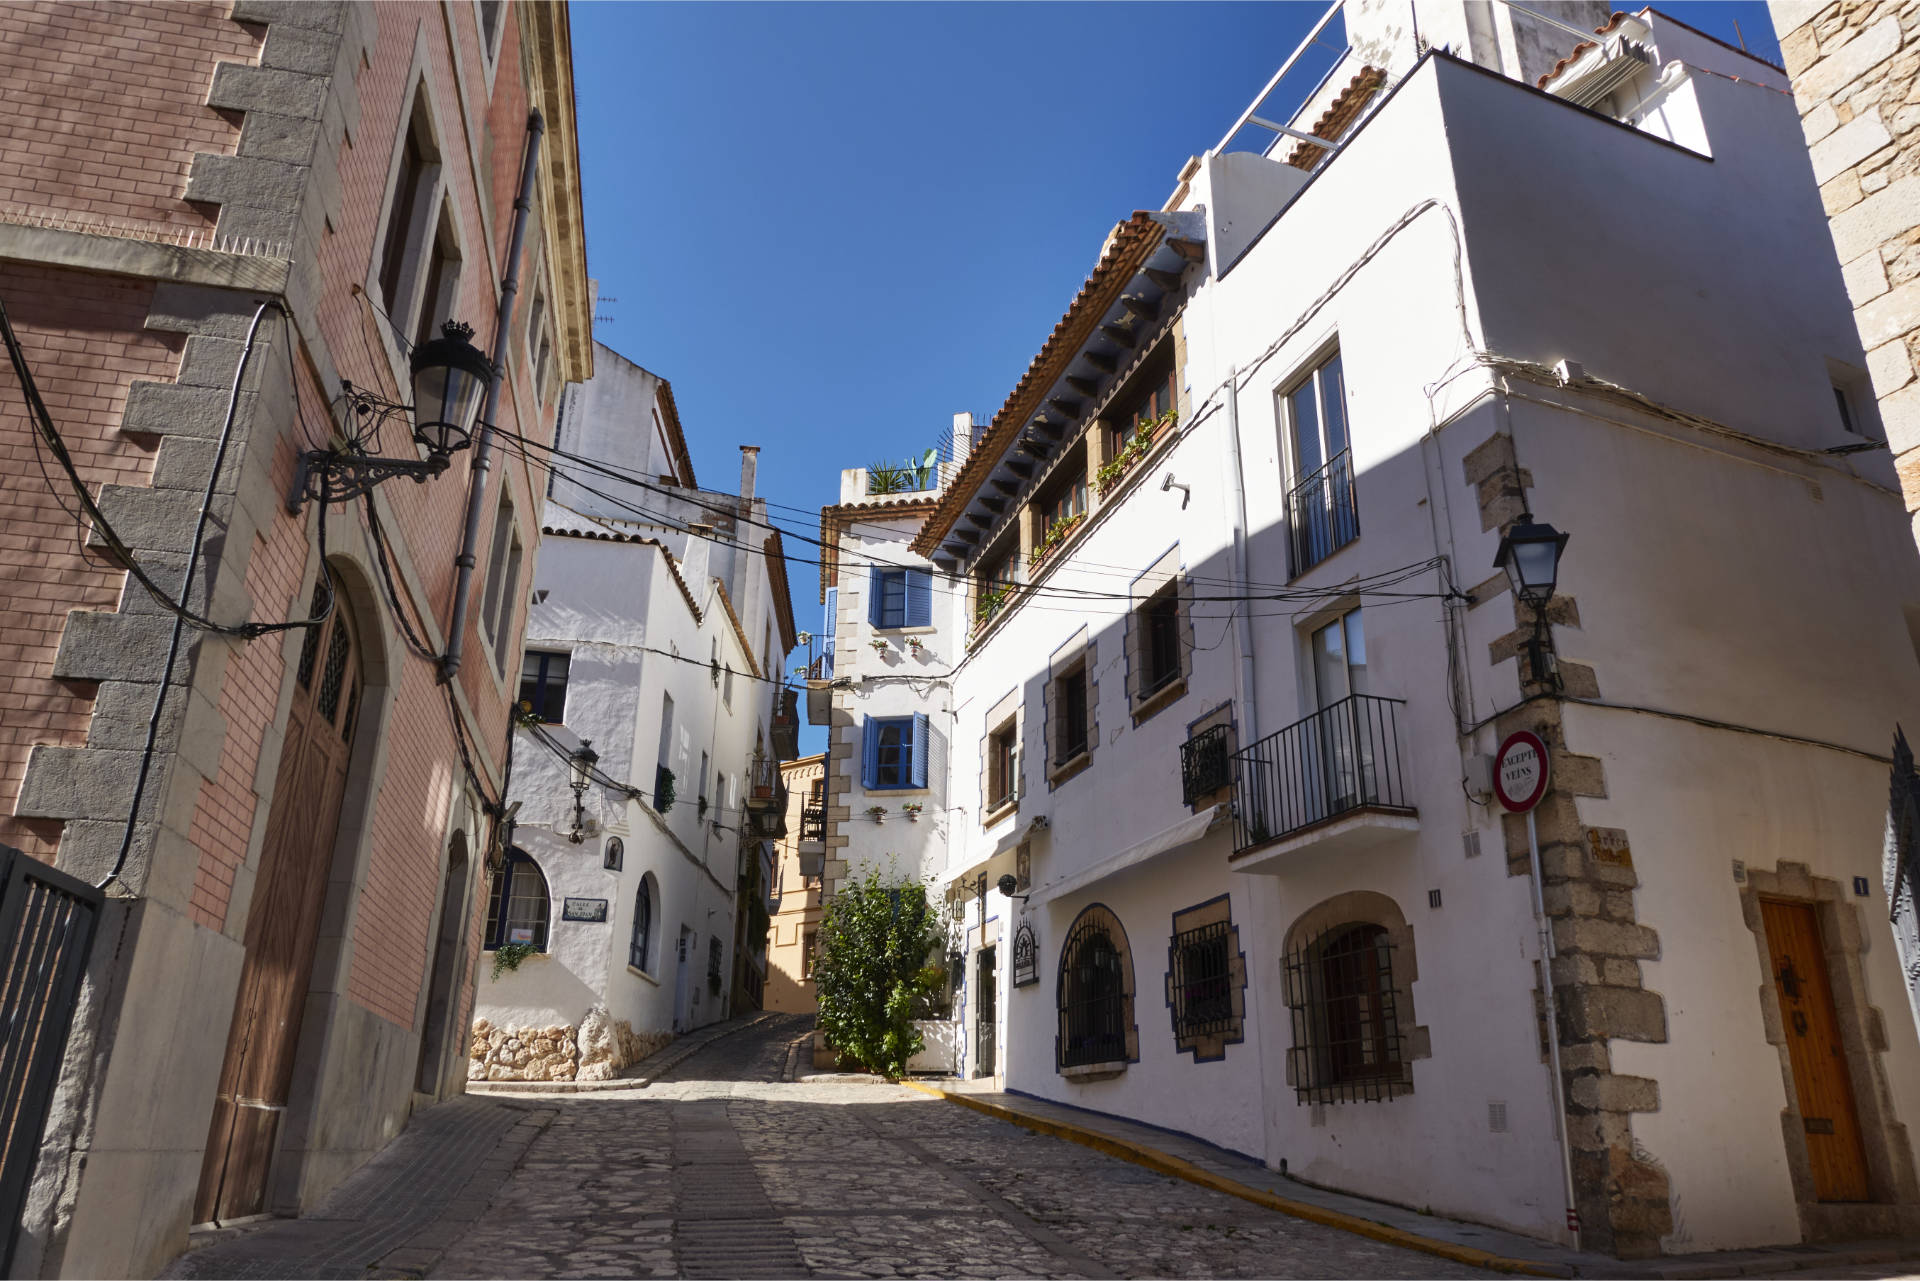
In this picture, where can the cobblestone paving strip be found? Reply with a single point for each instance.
(450, 1160)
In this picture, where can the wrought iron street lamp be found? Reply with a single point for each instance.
(449, 375)
(1530, 555)
(581, 765)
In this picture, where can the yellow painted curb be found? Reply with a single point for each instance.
(1179, 1168)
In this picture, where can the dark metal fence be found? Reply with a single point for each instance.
(1206, 765)
(1322, 513)
(47, 923)
(1343, 757)
(1202, 981)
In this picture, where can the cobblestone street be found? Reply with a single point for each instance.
(719, 1169)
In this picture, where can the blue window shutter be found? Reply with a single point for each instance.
(919, 598)
(873, 595)
(870, 755)
(919, 749)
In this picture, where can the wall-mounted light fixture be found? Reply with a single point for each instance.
(580, 766)
(1530, 555)
(450, 375)
(1010, 883)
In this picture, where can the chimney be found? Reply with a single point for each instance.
(749, 466)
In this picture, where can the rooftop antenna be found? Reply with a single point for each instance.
(1737, 36)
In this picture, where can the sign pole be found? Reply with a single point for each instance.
(1521, 769)
(1553, 1028)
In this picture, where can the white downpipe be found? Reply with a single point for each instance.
(1242, 623)
(1553, 1026)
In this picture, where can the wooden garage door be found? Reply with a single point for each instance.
(1820, 1080)
(283, 924)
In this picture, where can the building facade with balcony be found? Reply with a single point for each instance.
(1236, 657)
(800, 859)
(891, 638)
(225, 230)
(645, 767)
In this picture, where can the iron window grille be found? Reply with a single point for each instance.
(1346, 1030)
(543, 685)
(813, 822)
(1093, 997)
(713, 965)
(1206, 764)
(1202, 981)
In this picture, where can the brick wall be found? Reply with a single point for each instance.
(104, 120)
(84, 341)
(1854, 71)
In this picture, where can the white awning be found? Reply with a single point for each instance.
(1186, 831)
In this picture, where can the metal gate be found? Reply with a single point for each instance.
(47, 920)
(986, 1017)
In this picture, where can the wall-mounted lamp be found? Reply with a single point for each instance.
(581, 765)
(450, 376)
(1530, 555)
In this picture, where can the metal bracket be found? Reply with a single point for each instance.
(331, 476)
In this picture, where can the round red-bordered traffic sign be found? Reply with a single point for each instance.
(1520, 771)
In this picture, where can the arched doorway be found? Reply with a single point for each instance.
(449, 955)
(284, 921)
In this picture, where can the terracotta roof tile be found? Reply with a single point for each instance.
(837, 517)
(1581, 48)
(1127, 248)
(1339, 115)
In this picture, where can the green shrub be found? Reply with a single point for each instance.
(871, 969)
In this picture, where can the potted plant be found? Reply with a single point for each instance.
(915, 644)
(912, 810)
(1056, 534)
(1132, 451)
(876, 812)
(990, 603)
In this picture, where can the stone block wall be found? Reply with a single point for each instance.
(597, 1049)
(1855, 66)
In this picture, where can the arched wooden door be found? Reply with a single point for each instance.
(284, 922)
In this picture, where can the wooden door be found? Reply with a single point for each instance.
(283, 925)
(1820, 1080)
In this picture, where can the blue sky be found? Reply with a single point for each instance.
(832, 226)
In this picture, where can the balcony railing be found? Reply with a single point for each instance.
(1342, 758)
(821, 668)
(1206, 765)
(1322, 514)
(813, 823)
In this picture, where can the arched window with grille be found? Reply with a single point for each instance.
(518, 906)
(1095, 994)
(640, 941)
(1349, 971)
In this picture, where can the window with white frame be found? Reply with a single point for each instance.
(1322, 513)
(413, 217)
(497, 605)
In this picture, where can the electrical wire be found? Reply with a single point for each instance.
(122, 553)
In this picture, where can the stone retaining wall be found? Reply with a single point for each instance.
(597, 1050)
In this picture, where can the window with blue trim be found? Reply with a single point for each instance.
(518, 906)
(900, 597)
(895, 752)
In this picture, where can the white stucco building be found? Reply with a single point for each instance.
(1225, 656)
(659, 630)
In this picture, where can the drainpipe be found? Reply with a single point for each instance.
(483, 448)
(1242, 621)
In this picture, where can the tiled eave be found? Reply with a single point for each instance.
(835, 519)
(1145, 259)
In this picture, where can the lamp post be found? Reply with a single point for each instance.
(1530, 554)
(580, 766)
(449, 376)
